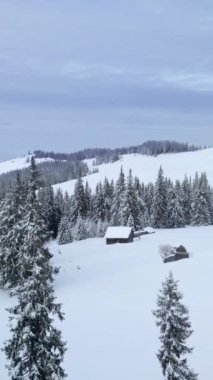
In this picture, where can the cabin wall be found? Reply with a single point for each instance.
(122, 241)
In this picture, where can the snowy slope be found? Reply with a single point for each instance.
(108, 293)
(146, 167)
(19, 163)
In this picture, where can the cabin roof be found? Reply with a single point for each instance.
(118, 232)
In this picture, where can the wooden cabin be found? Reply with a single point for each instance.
(179, 253)
(119, 235)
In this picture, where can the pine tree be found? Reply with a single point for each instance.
(160, 201)
(101, 228)
(175, 215)
(35, 350)
(108, 192)
(175, 328)
(98, 204)
(118, 199)
(11, 234)
(148, 200)
(79, 231)
(187, 193)
(48, 210)
(59, 207)
(131, 205)
(64, 231)
(79, 202)
(200, 208)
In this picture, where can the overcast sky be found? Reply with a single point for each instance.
(76, 74)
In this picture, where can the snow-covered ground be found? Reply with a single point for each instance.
(175, 166)
(19, 163)
(108, 294)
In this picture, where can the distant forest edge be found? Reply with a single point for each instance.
(68, 166)
(104, 155)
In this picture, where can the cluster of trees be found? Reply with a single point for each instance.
(103, 155)
(51, 172)
(35, 349)
(129, 202)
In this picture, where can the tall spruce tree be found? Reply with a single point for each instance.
(48, 210)
(35, 350)
(160, 201)
(132, 205)
(12, 210)
(118, 199)
(108, 191)
(98, 204)
(79, 202)
(175, 215)
(175, 328)
(64, 231)
(79, 231)
(200, 208)
(187, 194)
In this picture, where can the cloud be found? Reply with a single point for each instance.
(195, 81)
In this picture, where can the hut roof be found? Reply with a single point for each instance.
(181, 249)
(118, 232)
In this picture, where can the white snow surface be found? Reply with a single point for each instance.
(175, 166)
(150, 230)
(19, 163)
(108, 294)
(118, 232)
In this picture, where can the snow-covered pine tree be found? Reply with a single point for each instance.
(130, 222)
(131, 204)
(88, 199)
(65, 226)
(35, 177)
(79, 231)
(148, 199)
(175, 328)
(186, 200)
(35, 350)
(175, 215)
(160, 201)
(98, 204)
(11, 234)
(118, 199)
(64, 231)
(48, 210)
(140, 192)
(79, 202)
(200, 207)
(108, 191)
(101, 228)
(204, 184)
(59, 206)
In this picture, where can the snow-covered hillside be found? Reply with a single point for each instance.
(108, 294)
(19, 163)
(175, 166)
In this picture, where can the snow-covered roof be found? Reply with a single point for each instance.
(150, 230)
(118, 232)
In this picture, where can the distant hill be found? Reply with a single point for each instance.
(56, 168)
(104, 155)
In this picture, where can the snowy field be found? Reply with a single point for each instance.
(175, 166)
(108, 293)
(19, 163)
